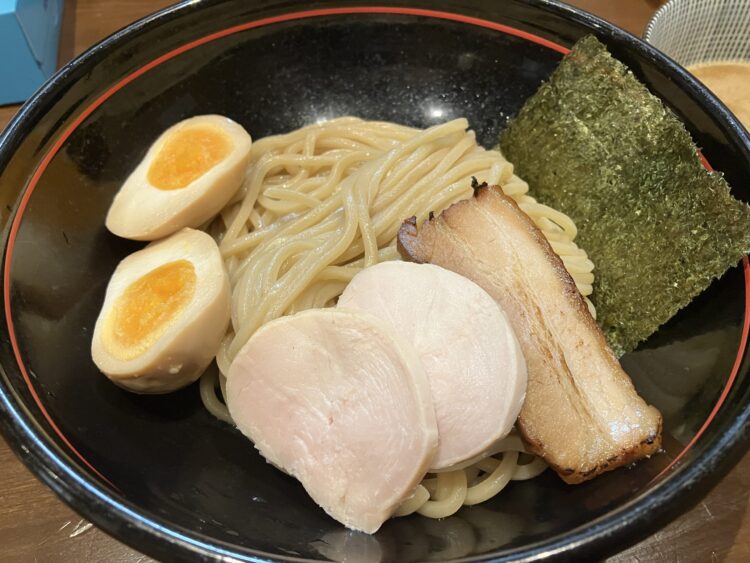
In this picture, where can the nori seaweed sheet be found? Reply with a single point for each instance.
(595, 144)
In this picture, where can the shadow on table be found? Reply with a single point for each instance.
(715, 530)
(66, 50)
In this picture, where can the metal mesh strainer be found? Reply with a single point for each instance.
(696, 31)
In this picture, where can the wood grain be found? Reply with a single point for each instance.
(36, 526)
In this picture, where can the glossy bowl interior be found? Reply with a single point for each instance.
(159, 472)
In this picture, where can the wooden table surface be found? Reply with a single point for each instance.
(36, 526)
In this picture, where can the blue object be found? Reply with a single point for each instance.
(29, 36)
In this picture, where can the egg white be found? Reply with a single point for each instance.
(141, 211)
(190, 342)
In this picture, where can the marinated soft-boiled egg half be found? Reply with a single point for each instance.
(190, 172)
(165, 312)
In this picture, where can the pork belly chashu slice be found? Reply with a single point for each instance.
(581, 413)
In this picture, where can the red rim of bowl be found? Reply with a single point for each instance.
(60, 141)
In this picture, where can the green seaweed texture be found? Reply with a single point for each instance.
(659, 227)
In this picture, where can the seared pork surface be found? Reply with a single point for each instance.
(581, 413)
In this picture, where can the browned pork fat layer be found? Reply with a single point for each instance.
(581, 413)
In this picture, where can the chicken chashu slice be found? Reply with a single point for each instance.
(334, 399)
(466, 345)
(581, 413)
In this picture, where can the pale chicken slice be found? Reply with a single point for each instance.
(336, 400)
(581, 412)
(469, 352)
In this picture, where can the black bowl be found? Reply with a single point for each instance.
(160, 473)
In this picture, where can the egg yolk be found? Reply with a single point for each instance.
(146, 308)
(186, 155)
